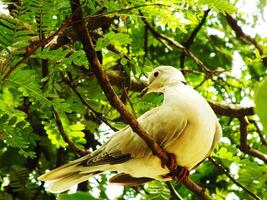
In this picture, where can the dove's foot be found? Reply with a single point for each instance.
(178, 174)
(181, 174)
(172, 164)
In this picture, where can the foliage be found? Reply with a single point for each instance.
(76, 196)
(261, 107)
(56, 78)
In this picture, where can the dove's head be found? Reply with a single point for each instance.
(162, 77)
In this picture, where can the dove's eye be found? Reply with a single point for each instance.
(156, 74)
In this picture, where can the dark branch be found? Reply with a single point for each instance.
(145, 41)
(116, 77)
(174, 193)
(199, 191)
(65, 137)
(32, 49)
(187, 44)
(222, 169)
(244, 37)
(97, 114)
(176, 44)
(260, 132)
(243, 141)
(131, 8)
(232, 110)
(68, 35)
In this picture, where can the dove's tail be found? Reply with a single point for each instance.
(64, 177)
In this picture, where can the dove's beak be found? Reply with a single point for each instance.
(143, 92)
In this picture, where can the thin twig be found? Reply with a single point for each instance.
(33, 49)
(127, 9)
(259, 131)
(174, 193)
(222, 169)
(145, 41)
(232, 110)
(201, 83)
(241, 35)
(129, 100)
(187, 44)
(84, 102)
(195, 188)
(176, 44)
(244, 147)
(36, 195)
(65, 137)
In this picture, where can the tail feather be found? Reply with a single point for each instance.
(66, 182)
(64, 177)
(58, 173)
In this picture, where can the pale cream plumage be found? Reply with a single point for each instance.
(184, 125)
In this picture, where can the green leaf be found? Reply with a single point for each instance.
(222, 6)
(157, 190)
(222, 151)
(3, 118)
(77, 196)
(123, 61)
(8, 97)
(12, 121)
(260, 100)
(27, 154)
(25, 82)
(77, 127)
(7, 23)
(53, 134)
(257, 54)
(113, 38)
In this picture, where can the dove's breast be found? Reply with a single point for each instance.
(195, 143)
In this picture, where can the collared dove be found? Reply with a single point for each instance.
(184, 126)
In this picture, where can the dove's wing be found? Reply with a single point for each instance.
(163, 123)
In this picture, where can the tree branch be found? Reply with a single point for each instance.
(244, 37)
(260, 132)
(232, 110)
(174, 193)
(195, 188)
(222, 169)
(109, 92)
(176, 44)
(32, 49)
(244, 147)
(65, 137)
(187, 44)
(68, 34)
(116, 77)
(97, 114)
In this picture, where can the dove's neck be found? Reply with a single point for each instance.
(173, 93)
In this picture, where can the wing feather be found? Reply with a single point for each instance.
(163, 123)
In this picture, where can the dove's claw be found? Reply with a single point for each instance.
(172, 164)
(183, 173)
(178, 174)
(172, 161)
